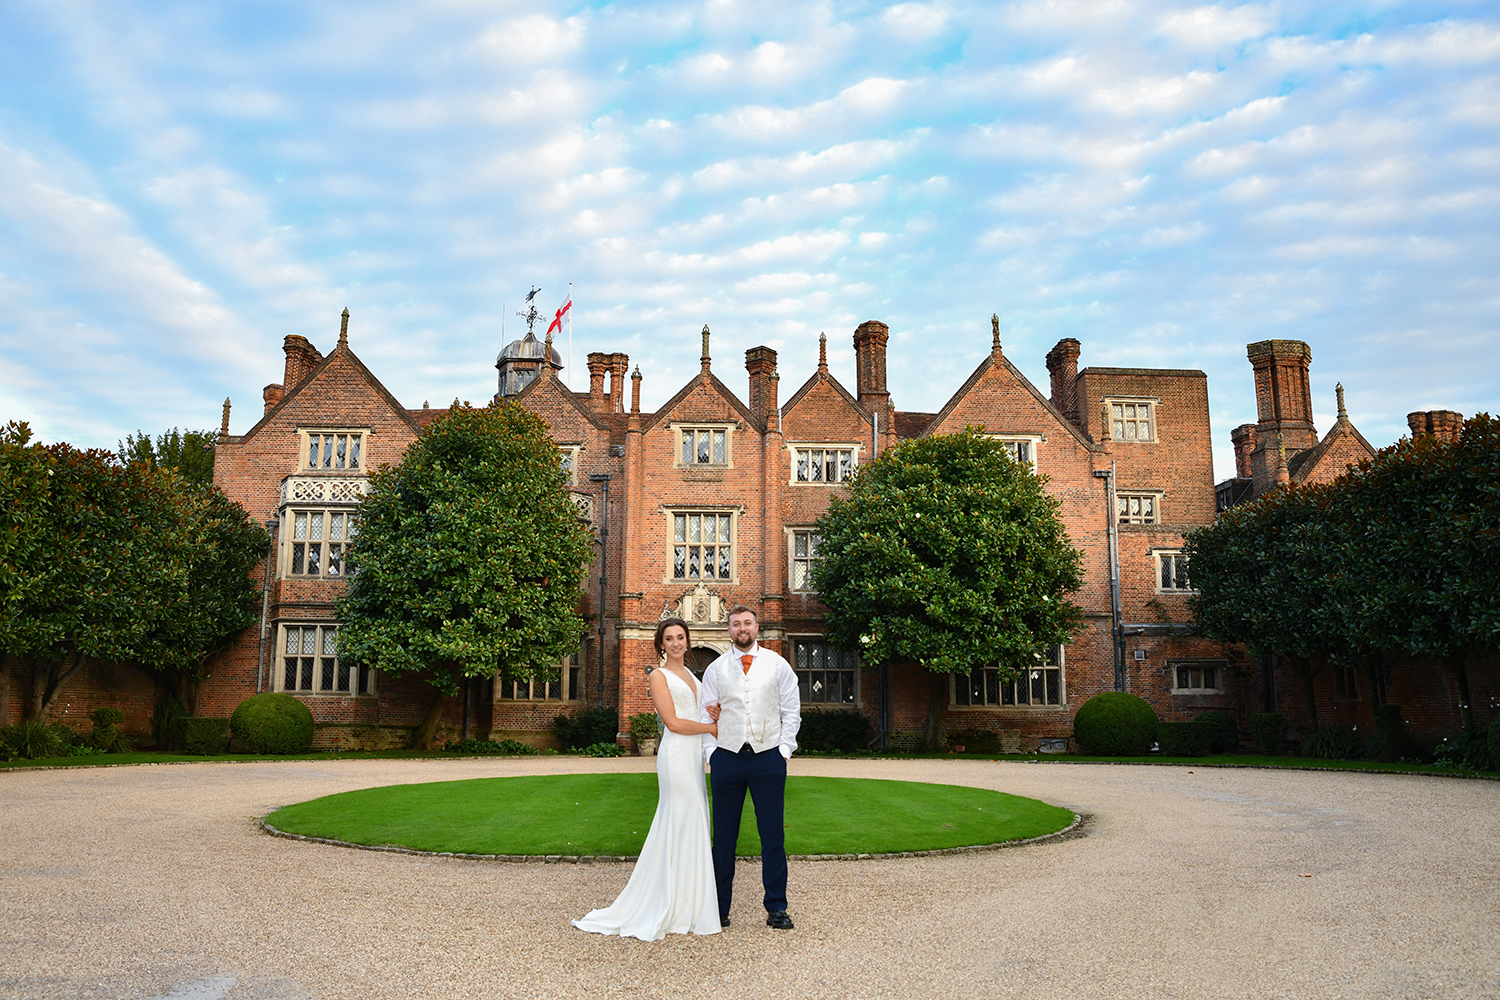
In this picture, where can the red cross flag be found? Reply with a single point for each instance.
(562, 311)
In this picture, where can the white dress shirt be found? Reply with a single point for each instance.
(760, 707)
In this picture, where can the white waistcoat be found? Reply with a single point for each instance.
(750, 704)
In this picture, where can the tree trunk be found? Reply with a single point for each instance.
(422, 736)
(1458, 666)
(1375, 674)
(48, 684)
(936, 707)
(1309, 691)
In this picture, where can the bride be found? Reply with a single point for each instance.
(671, 890)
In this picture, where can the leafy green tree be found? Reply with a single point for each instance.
(198, 549)
(469, 560)
(1431, 511)
(191, 453)
(949, 553)
(1276, 576)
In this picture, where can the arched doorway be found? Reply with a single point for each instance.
(698, 659)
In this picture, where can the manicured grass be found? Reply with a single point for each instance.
(586, 814)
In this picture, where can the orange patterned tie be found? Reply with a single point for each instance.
(746, 661)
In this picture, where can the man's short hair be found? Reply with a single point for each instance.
(741, 609)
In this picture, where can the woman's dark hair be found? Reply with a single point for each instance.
(662, 627)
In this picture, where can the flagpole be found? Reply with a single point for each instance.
(570, 335)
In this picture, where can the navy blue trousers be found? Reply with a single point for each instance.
(763, 775)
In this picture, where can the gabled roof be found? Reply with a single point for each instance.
(1304, 463)
(973, 380)
(592, 417)
(838, 387)
(666, 408)
(342, 350)
(911, 424)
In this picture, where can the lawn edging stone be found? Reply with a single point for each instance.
(1073, 829)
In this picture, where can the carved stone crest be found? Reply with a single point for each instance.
(699, 606)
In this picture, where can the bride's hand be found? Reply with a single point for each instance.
(713, 711)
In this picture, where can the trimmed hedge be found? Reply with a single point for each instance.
(587, 728)
(204, 736)
(1185, 739)
(1494, 742)
(1226, 731)
(844, 730)
(1115, 724)
(272, 723)
(1270, 732)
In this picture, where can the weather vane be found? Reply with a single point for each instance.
(531, 315)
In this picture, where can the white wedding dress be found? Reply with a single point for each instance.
(671, 890)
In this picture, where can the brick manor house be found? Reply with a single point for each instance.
(711, 500)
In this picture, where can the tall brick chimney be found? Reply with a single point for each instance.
(618, 365)
(1445, 425)
(598, 363)
(870, 338)
(1283, 402)
(272, 394)
(1062, 364)
(760, 362)
(301, 358)
(1243, 437)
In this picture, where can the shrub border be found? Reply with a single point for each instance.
(1077, 828)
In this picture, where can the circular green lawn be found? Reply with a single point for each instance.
(609, 814)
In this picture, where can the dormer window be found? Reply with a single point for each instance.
(333, 451)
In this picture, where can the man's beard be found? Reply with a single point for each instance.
(749, 645)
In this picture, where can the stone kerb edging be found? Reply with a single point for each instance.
(1073, 828)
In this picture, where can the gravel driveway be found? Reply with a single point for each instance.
(153, 881)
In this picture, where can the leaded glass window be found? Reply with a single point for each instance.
(1172, 572)
(319, 542)
(1136, 508)
(1039, 686)
(825, 675)
(310, 663)
(563, 682)
(335, 450)
(823, 465)
(804, 554)
(705, 446)
(1132, 421)
(702, 545)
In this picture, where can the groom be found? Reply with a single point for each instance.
(759, 715)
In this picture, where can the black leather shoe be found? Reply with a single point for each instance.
(723, 921)
(779, 920)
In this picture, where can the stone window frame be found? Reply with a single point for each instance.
(570, 685)
(848, 664)
(1185, 668)
(568, 457)
(792, 559)
(1054, 661)
(797, 448)
(671, 511)
(360, 679)
(360, 449)
(1033, 443)
(1124, 497)
(1158, 558)
(681, 428)
(1345, 683)
(323, 517)
(1154, 417)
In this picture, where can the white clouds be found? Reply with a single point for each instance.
(1158, 179)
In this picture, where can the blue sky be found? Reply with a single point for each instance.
(183, 184)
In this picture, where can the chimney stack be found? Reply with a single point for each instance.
(1445, 425)
(618, 364)
(1283, 402)
(272, 394)
(1062, 364)
(760, 362)
(870, 338)
(1243, 437)
(301, 358)
(598, 363)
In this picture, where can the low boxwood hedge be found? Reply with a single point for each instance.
(1270, 732)
(1185, 739)
(204, 736)
(272, 723)
(844, 730)
(1226, 730)
(1115, 724)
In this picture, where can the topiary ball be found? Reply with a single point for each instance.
(272, 723)
(1115, 724)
